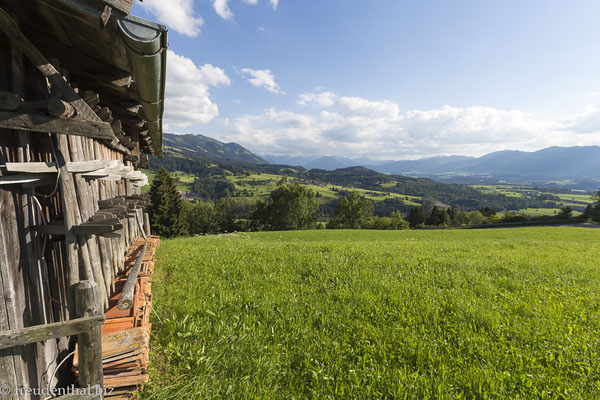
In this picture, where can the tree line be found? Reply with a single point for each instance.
(292, 206)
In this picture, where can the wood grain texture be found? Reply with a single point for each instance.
(40, 333)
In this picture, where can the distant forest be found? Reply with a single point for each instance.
(211, 184)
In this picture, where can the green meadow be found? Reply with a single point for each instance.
(450, 314)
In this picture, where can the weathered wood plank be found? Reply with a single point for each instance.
(147, 224)
(50, 167)
(87, 166)
(57, 81)
(50, 124)
(56, 228)
(23, 178)
(91, 229)
(85, 200)
(72, 216)
(121, 5)
(40, 333)
(31, 167)
(89, 343)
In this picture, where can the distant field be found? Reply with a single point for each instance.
(182, 179)
(536, 212)
(572, 200)
(262, 185)
(493, 314)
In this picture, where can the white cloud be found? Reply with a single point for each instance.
(187, 96)
(379, 129)
(324, 99)
(253, 2)
(586, 122)
(176, 14)
(222, 9)
(262, 78)
(274, 3)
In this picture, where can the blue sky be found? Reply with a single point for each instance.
(383, 78)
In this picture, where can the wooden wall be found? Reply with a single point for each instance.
(37, 270)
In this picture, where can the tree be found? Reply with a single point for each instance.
(166, 208)
(352, 212)
(292, 206)
(225, 216)
(201, 218)
(436, 217)
(565, 213)
(395, 221)
(487, 212)
(417, 216)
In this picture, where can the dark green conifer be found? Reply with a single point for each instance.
(166, 209)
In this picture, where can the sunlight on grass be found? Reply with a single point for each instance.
(493, 314)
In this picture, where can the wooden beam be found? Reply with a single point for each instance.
(47, 124)
(92, 229)
(89, 343)
(41, 333)
(56, 228)
(121, 5)
(50, 167)
(126, 298)
(85, 11)
(23, 178)
(87, 166)
(57, 81)
(31, 167)
(105, 16)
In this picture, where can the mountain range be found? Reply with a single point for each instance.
(578, 165)
(206, 148)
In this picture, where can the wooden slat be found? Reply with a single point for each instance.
(50, 167)
(89, 342)
(49, 124)
(56, 228)
(23, 178)
(31, 167)
(89, 229)
(40, 333)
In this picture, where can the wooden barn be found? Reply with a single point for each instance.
(82, 86)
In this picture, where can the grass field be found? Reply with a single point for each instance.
(182, 179)
(536, 212)
(494, 314)
(261, 185)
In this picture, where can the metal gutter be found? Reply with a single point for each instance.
(146, 46)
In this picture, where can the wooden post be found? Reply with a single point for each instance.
(90, 342)
(147, 223)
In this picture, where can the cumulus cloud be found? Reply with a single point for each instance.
(262, 78)
(187, 96)
(222, 9)
(380, 129)
(176, 14)
(586, 122)
(324, 99)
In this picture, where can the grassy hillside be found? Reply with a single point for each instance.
(402, 194)
(490, 314)
(206, 148)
